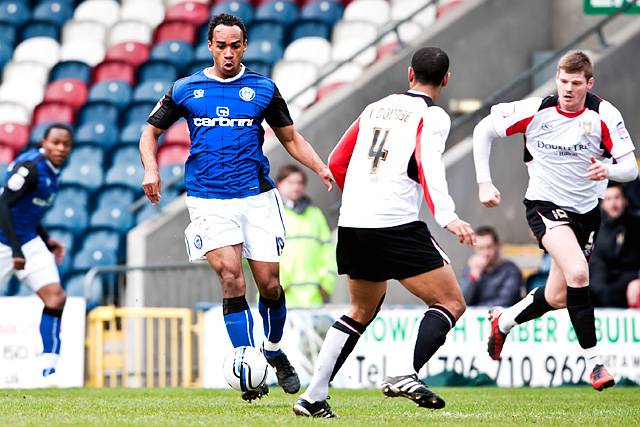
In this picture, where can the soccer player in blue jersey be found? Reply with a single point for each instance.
(26, 249)
(234, 207)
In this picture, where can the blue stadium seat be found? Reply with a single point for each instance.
(266, 30)
(326, 11)
(8, 34)
(151, 91)
(6, 52)
(157, 70)
(130, 134)
(58, 11)
(84, 168)
(263, 51)
(202, 53)
(98, 112)
(150, 211)
(196, 66)
(284, 12)
(112, 209)
(102, 238)
(37, 133)
(179, 53)
(23, 291)
(99, 132)
(74, 287)
(15, 12)
(116, 92)
(70, 209)
(40, 28)
(259, 67)
(310, 28)
(138, 112)
(71, 70)
(126, 168)
(239, 8)
(87, 258)
(171, 172)
(66, 238)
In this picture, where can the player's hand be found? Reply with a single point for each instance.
(151, 186)
(463, 231)
(18, 263)
(597, 170)
(327, 177)
(488, 194)
(57, 249)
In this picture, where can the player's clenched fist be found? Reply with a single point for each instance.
(463, 231)
(488, 194)
(151, 186)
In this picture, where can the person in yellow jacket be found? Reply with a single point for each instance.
(308, 263)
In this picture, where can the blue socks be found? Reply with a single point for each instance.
(238, 320)
(50, 330)
(274, 314)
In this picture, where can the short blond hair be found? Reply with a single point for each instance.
(576, 62)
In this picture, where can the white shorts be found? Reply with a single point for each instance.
(40, 267)
(254, 221)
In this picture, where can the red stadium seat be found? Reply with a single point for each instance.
(195, 12)
(175, 30)
(172, 154)
(444, 8)
(327, 89)
(114, 71)
(134, 53)
(14, 135)
(6, 154)
(48, 112)
(178, 134)
(72, 92)
(386, 49)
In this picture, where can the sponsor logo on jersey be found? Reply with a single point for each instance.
(222, 119)
(247, 94)
(546, 127)
(198, 93)
(43, 203)
(222, 111)
(622, 131)
(571, 150)
(197, 241)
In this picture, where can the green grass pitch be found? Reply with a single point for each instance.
(465, 406)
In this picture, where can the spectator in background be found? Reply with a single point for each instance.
(488, 279)
(307, 266)
(616, 257)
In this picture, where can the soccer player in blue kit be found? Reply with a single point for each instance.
(26, 249)
(234, 207)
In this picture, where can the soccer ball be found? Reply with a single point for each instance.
(245, 368)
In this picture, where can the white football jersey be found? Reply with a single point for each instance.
(559, 146)
(389, 160)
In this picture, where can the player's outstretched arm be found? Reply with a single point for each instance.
(148, 149)
(483, 136)
(625, 169)
(302, 151)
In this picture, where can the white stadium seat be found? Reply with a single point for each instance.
(351, 36)
(375, 11)
(150, 12)
(130, 31)
(347, 73)
(305, 72)
(22, 92)
(44, 50)
(311, 49)
(26, 70)
(401, 9)
(172, 2)
(85, 31)
(11, 112)
(106, 12)
(87, 52)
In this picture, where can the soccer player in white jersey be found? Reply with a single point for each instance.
(388, 159)
(566, 138)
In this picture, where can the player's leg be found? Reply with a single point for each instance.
(365, 300)
(54, 298)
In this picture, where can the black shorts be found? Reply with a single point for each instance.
(585, 226)
(379, 254)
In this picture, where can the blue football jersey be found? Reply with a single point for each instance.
(225, 125)
(30, 187)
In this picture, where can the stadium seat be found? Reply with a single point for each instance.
(50, 112)
(327, 11)
(130, 134)
(75, 287)
(88, 258)
(44, 50)
(84, 51)
(130, 31)
(306, 73)
(105, 12)
(14, 135)
(175, 31)
(84, 167)
(24, 93)
(203, 53)
(179, 53)
(402, 9)
(40, 28)
(116, 92)
(71, 70)
(196, 66)
(102, 237)
(157, 70)
(6, 52)
(375, 11)
(258, 67)
(316, 50)
(171, 172)
(282, 11)
(7, 154)
(134, 53)
(138, 112)
(195, 12)
(85, 31)
(70, 210)
(178, 133)
(8, 35)
(309, 28)
(239, 8)
(266, 30)
(66, 238)
(37, 134)
(33, 72)
(70, 91)
(112, 208)
(114, 71)
(98, 112)
(14, 113)
(172, 154)
(126, 169)
(263, 51)
(57, 11)
(347, 73)
(351, 36)
(102, 133)
(151, 12)
(445, 7)
(151, 91)
(14, 12)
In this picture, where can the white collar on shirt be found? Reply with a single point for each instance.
(207, 72)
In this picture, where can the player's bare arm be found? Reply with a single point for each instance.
(148, 149)
(302, 151)
(483, 136)
(463, 231)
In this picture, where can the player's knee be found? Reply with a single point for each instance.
(55, 298)
(362, 314)
(231, 283)
(578, 276)
(457, 307)
(272, 291)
